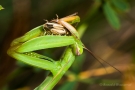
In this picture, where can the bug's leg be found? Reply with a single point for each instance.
(57, 18)
(25, 52)
(36, 32)
(44, 42)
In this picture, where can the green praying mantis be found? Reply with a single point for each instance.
(52, 34)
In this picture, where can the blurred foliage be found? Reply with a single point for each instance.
(1, 7)
(111, 15)
(110, 9)
(121, 5)
(117, 47)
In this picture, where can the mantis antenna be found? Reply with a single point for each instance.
(64, 22)
(98, 59)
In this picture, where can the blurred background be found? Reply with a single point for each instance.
(107, 28)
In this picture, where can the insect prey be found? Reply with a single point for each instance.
(53, 28)
(63, 26)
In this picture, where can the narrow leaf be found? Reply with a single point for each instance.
(121, 5)
(111, 16)
(1, 7)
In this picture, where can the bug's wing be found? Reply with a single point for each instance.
(70, 28)
(71, 19)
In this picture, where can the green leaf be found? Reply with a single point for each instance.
(121, 5)
(1, 7)
(111, 16)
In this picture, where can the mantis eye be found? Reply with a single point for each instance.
(77, 49)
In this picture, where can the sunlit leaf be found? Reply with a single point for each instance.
(111, 16)
(1, 7)
(121, 5)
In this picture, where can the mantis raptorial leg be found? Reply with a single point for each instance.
(66, 23)
(53, 34)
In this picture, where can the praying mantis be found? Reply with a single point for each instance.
(52, 34)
